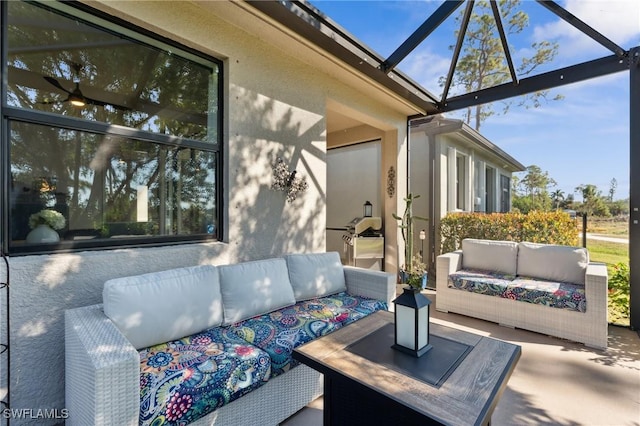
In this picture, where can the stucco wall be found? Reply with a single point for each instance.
(274, 106)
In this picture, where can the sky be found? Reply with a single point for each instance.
(581, 139)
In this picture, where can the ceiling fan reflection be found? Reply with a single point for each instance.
(75, 96)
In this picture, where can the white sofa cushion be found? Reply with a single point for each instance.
(315, 275)
(254, 288)
(488, 255)
(158, 307)
(553, 262)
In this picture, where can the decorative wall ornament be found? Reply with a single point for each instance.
(286, 181)
(391, 182)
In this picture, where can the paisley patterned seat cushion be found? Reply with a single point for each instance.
(554, 294)
(279, 332)
(524, 289)
(183, 380)
(479, 281)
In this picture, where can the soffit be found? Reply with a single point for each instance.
(252, 21)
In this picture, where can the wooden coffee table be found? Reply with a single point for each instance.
(367, 382)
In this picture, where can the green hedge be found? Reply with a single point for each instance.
(535, 226)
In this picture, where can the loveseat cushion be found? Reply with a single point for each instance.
(488, 255)
(183, 380)
(522, 289)
(279, 332)
(549, 293)
(254, 288)
(157, 307)
(553, 262)
(315, 275)
(482, 282)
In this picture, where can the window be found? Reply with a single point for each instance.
(458, 187)
(115, 130)
(461, 194)
(490, 182)
(478, 186)
(505, 193)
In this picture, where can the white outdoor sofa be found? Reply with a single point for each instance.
(206, 320)
(548, 289)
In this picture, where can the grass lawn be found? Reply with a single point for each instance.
(610, 227)
(611, 254)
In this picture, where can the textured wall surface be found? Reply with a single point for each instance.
(274, 107)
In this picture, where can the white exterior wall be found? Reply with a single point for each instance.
(274, 106)
(439, 186)
(449, 147)
(420, 181)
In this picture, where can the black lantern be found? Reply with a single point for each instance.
(368, 209)
(411, 314)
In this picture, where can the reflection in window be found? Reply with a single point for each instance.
(116, 131)
(55, 61)
(108, 186)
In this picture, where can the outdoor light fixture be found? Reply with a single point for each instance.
(411, 314)
(423, 235)
(368, 209)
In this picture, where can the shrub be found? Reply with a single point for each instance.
(535, 226)
(619, 292)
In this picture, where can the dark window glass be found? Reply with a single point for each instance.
(113, 131)
(54, 61)
(108, 186)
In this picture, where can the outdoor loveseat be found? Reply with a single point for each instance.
(211, 344)
(545, 288)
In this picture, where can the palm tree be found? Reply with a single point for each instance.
(557, 196)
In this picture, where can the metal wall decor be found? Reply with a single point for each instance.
(286, 181)
(391, 182)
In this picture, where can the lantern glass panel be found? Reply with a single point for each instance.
(405, 327)
(423, 327)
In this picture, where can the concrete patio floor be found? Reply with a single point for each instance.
(556, 382)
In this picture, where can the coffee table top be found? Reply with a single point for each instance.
(467, 396)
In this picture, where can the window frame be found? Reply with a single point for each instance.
(120, 27)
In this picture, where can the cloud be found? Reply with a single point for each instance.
(618, 20)
(428, 66)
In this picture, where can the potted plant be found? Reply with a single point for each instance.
(44, 225)
(414, 271)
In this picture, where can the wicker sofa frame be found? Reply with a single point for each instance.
(102, 370)
(588, 327)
